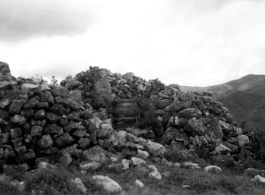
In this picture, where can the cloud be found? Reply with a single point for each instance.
(193, 42)
(31, 18)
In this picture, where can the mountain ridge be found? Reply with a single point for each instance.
(244, 97)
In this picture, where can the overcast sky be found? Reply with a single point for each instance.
(188, 42)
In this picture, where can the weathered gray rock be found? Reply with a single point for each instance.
(109, 185)
(169, 135)
(258, 178)
(64, 140)
(16, 106)
(215, 129)
(125, 164)
(154, 173)
(52, 117)
(96, 154)
(46, 96)
(142, 154)
(223, 160)
(28, 113)
(36, 131)
(60, 91)
(4, 103)
(242, 140)
(84, 143)
(31, 103)
(197, 126)
(79, 184)
(16, 132)
(137, 161)
(45, 142)
(4, 138)
(72, 84)
(222, 149)
(52, 129)
(40, 114)
(138, 183)
(93, 166)
(190, 165)
(155, 149)
(189, 113)
(4, 114)
(212, 169)
(18, 119)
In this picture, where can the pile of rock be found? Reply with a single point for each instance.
(192, 120)
(37, 119)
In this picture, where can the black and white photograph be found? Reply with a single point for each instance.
(132, 97)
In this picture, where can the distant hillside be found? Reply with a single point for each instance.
(244, 97)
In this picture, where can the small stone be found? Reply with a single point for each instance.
(40, 114)
(18, 119)
(52, 117)
(142, 154)
(84, 143)
(137, 161)
(190, 165)
(125, 164)
(258, 178)
(4, 114)
(45, 165)
(242, 140)
(75, 115)
(52, 129)
(16, 132)
(89, 165)
(28, 113)
(31, 103)
(154, 172)
(36, 131)
(60, 91)
(155, 149)
(222, 149)
(189, 113)
(16, 106)
(79, 184)
(109, 185)
(4, 138)
(64, 140)
(213, 169)
(177, 165)
(138, 183)
(96, 153)
(45, 142)
(4, 103)
(197, 126)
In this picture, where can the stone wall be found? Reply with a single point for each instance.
(37, 119)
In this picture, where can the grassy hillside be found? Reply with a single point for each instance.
(241, 103)
(244, 97)
(175, 180)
